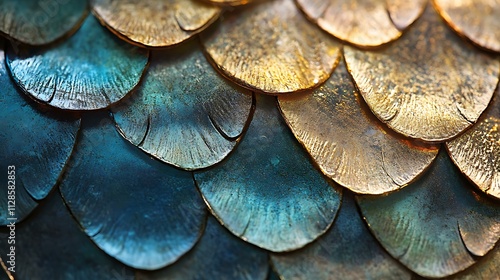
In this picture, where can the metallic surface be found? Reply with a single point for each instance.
(478, 20)
(218, 255)
(36, 22)
(35, 141)
(477, 151)
(429, 84)
(52, 246)
(486, 268)
(435, 225)
(155, 23)
(142, 212)
(365, 23)
(346, 251)
(267, 192)
(348, 143)
(230, 2)
(263, 187)
(271, 47)
(91, 70)
(184, 113)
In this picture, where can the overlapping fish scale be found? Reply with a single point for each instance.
(89, 71)
(35, 146)
(365, 23)
(348, 143)
(51, 245)
(218, 255)
(270, 47)
(184, 113)
(477, 151)
(36, 22)
(437, 225)
(430, 84)
(140, 211)
(267, 192)
(155, 23)
(477, 231)
(346, 251)
(486, 268)
(475, 19)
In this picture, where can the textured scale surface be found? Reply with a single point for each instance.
(259, 204)
(477, 151)
(74, 75)
(184, 113)
(52, 246)
(296, 57)
(147, 215)
(476, 20)
(39, 143)
(36, 22)
(348, 143)
(436, 225)
(486, 268)
(425, 89)
(346, 251)
(217, 248)
(147, 143)
(155, 23)
(366, 23)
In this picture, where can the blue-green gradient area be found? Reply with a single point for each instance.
(184, 113)
(40, 22)
(91, 70)
(436, 225)
(347, 251)
(51, 245)
(35, 143)
(268, 192)
(218, 255)
(140, 211)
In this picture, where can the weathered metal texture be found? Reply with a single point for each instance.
(89, 71)
(348, 143)
(36, 143)
(155, 23)
(488, 267)
(436, 225)
(346, 251)
(230, 2)
(477, 151)
(218, 255)
(184, 113)
(429, 84)
(366, 23)
(50, 245)
(36, 22)
(267, 192)
(142, 212)
(271, 47)
(475, 19)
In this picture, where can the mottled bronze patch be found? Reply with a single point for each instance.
(230, 2)
(272, 48)
(430, 84)
(477, 151)
(155, 23)
(349, 144)
(364, 23)
(478, 20)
